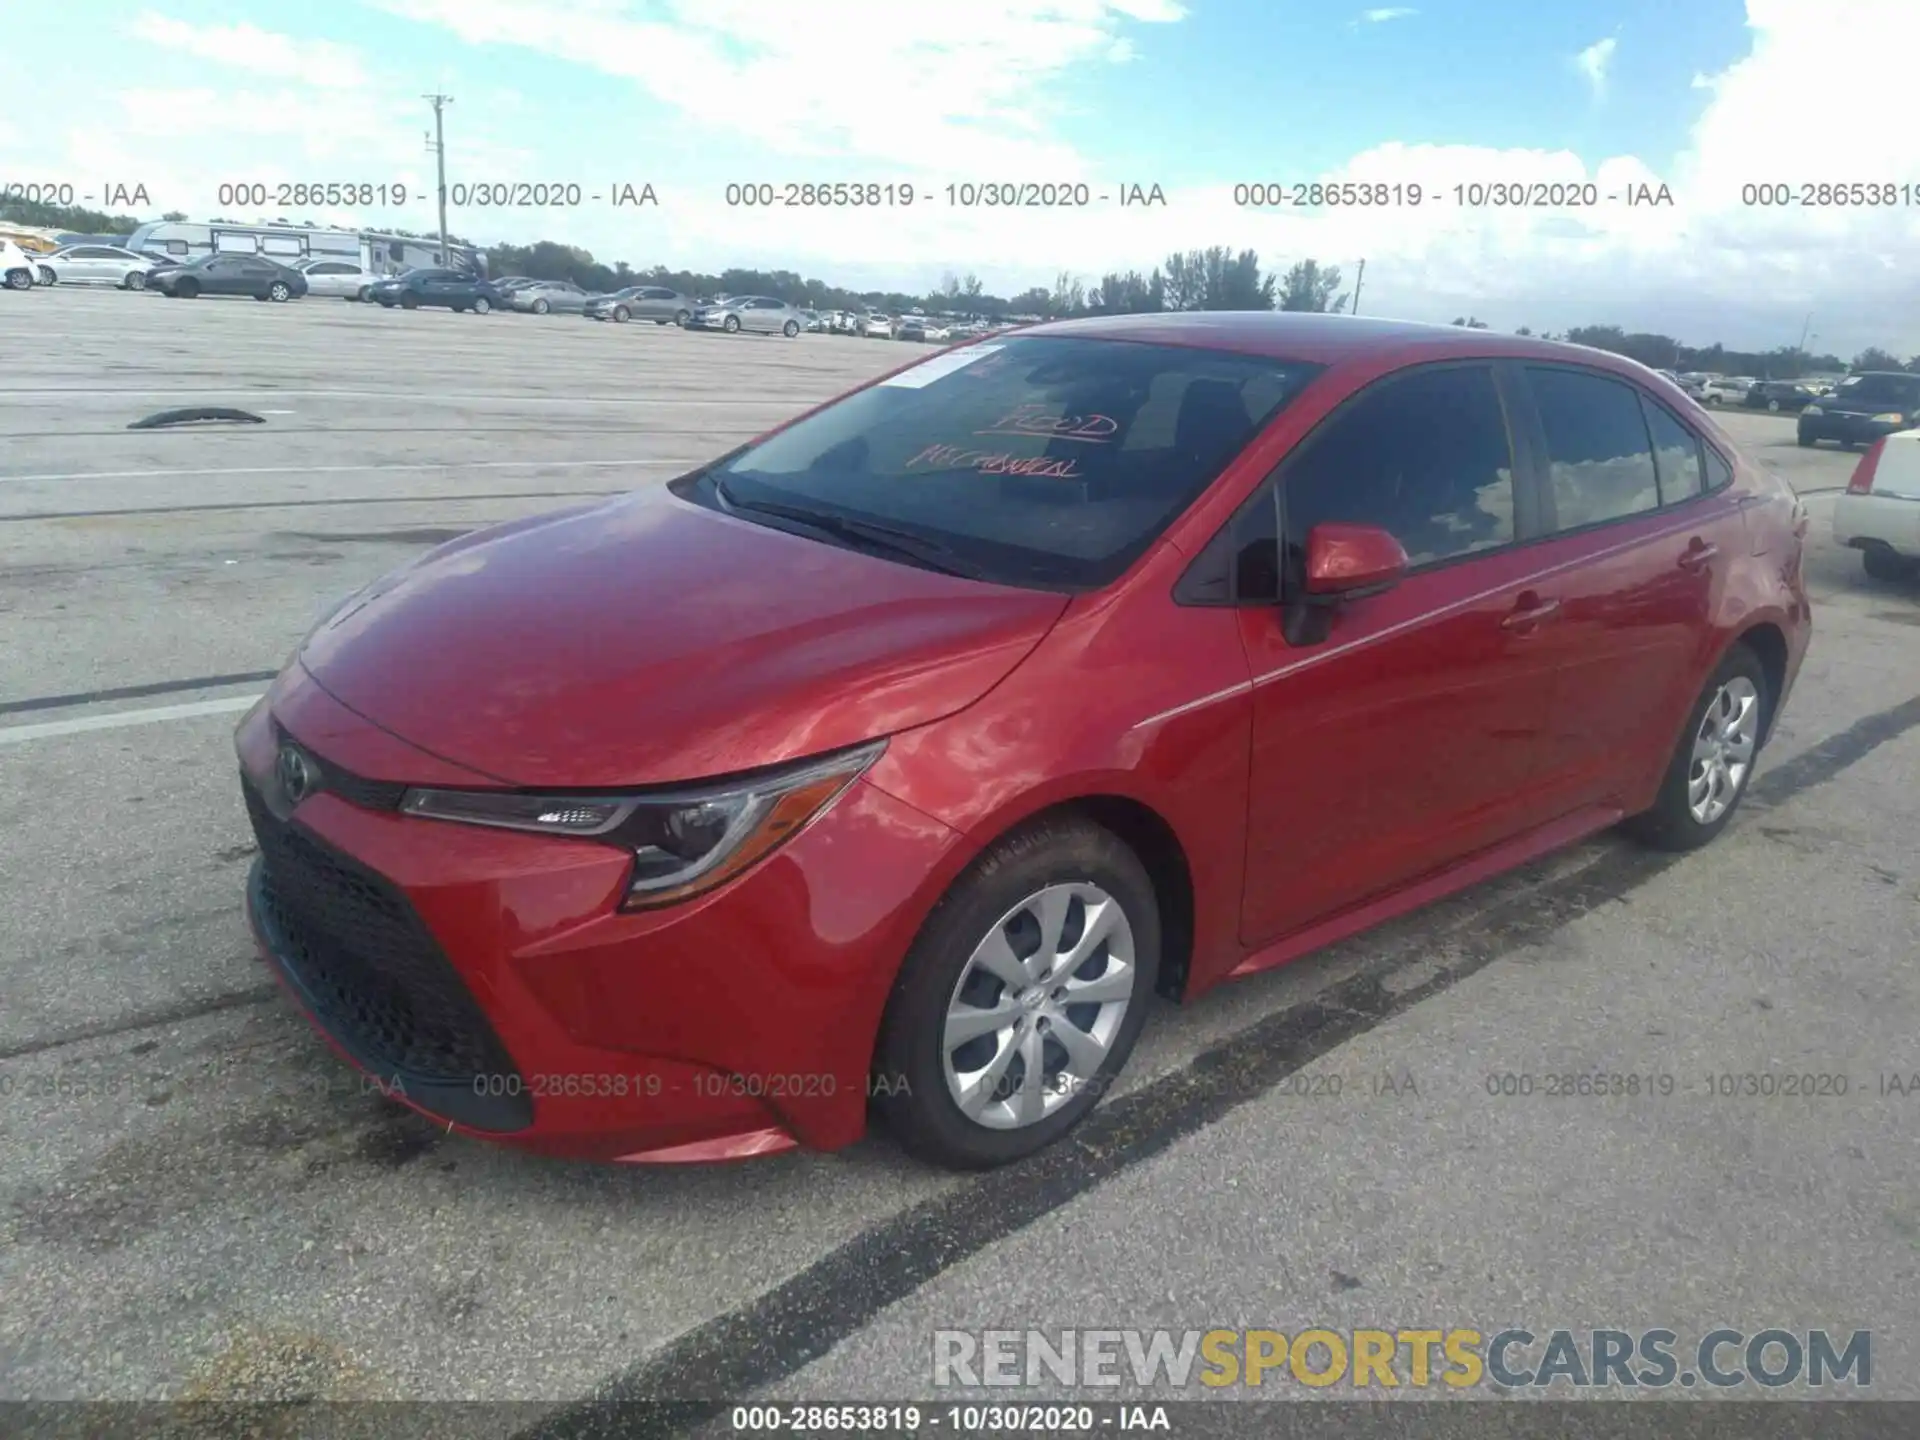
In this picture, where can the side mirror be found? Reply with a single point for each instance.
(1345, 562)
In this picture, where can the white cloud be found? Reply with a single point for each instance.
(766, 83)
(259, 52)
(1385, 13)
(1593, 63)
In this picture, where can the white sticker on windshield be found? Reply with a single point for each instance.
(925, 374)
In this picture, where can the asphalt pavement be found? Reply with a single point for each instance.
(196, 1200)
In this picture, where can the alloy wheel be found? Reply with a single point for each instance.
(1723, 749)
(1038, 1005)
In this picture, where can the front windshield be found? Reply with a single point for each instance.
(1892, 389)
(1043, 461)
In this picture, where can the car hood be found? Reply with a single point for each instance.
(1849, 405)
(647, 640)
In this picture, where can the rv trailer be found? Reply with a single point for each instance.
(374, 250)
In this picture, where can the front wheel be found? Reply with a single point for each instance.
(19, 279)
(46, 276)
(409, 302)
(1884, 564)
(1713, 763)
(1017, 1006)
(790, 329)
(1807, 441)
(541, 307)
(1773, 405)
(482, 305)
(279, 292)
(732, 324)
(621, 314)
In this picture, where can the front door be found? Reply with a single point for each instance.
(1405, 739)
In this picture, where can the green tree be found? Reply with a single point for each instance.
(1309, 287)
(1874, 358)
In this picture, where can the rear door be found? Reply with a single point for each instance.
(1404, 740)
(1641, 544)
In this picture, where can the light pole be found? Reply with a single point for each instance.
(439, 148)
(1358, 280)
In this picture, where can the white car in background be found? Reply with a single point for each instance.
(16, 267)
(1879, 513)
(876, 327)
(1726, 389)
(338, 279)
(98, 265)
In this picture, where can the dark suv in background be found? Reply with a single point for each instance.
(1778, 395)
(1862, 408)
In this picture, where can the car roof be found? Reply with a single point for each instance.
(1328, 339)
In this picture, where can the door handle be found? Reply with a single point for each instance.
(1530, 611)
(1697, 555)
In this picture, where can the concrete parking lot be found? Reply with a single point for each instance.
(197, 1200)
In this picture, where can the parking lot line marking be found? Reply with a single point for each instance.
(135, 692)
(360, 469)
(398, 396)
(20, 734)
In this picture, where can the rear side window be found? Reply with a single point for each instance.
(1425, 457)
(1676, 453)
(1600, 463)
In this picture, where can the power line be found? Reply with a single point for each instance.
(438, 145)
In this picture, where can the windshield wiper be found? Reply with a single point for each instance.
(929, 554)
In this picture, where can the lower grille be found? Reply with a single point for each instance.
(376, 979)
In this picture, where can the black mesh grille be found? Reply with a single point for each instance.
(373, 972)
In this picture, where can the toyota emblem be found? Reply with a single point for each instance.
(298, 779)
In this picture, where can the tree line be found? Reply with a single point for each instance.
(1216, 278)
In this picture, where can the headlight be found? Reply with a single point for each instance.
(683, 843)
(1892, 417)
(1813, 410)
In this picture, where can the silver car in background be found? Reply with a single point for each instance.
(338, 279)
(759, 313)
(657, 303)
(97, 265)
(553, 297)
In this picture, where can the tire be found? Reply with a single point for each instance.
(1807, 441)
(1674, 823)
(732, 325)
(366, 294)
(1774, 405)
(1713, 399)
(790, 329)
(43, 275)
(136, 280)
(482, 305)
(279, 292)
(940, 977)
(409, 302)
(188, 290)
(541, 307)
(20, 279)
(621, 314)
(681, 317)
(1881, 563)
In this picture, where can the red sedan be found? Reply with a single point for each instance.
(891, 763)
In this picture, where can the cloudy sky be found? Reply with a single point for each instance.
(1706, 97)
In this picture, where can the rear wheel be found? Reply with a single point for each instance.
(1708, 774)
(1022, 997)
(409, 302)
(681, 317)
(279, 292)
(790, 329)
(1773, 405)
(366, 294)
(482, 305)
(1807, 440)
(541, 307)
(136, 280)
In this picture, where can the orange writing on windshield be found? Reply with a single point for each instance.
(1038, 420)
(994, 462)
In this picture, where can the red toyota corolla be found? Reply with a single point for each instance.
(894, 760)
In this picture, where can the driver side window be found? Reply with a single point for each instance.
(1424, 456)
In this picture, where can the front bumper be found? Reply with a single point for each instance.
(708, 322)
(1856, 429)
(486, 979)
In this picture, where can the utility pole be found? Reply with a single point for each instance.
(438, 145)
(1803, 332)
(1358, 281)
